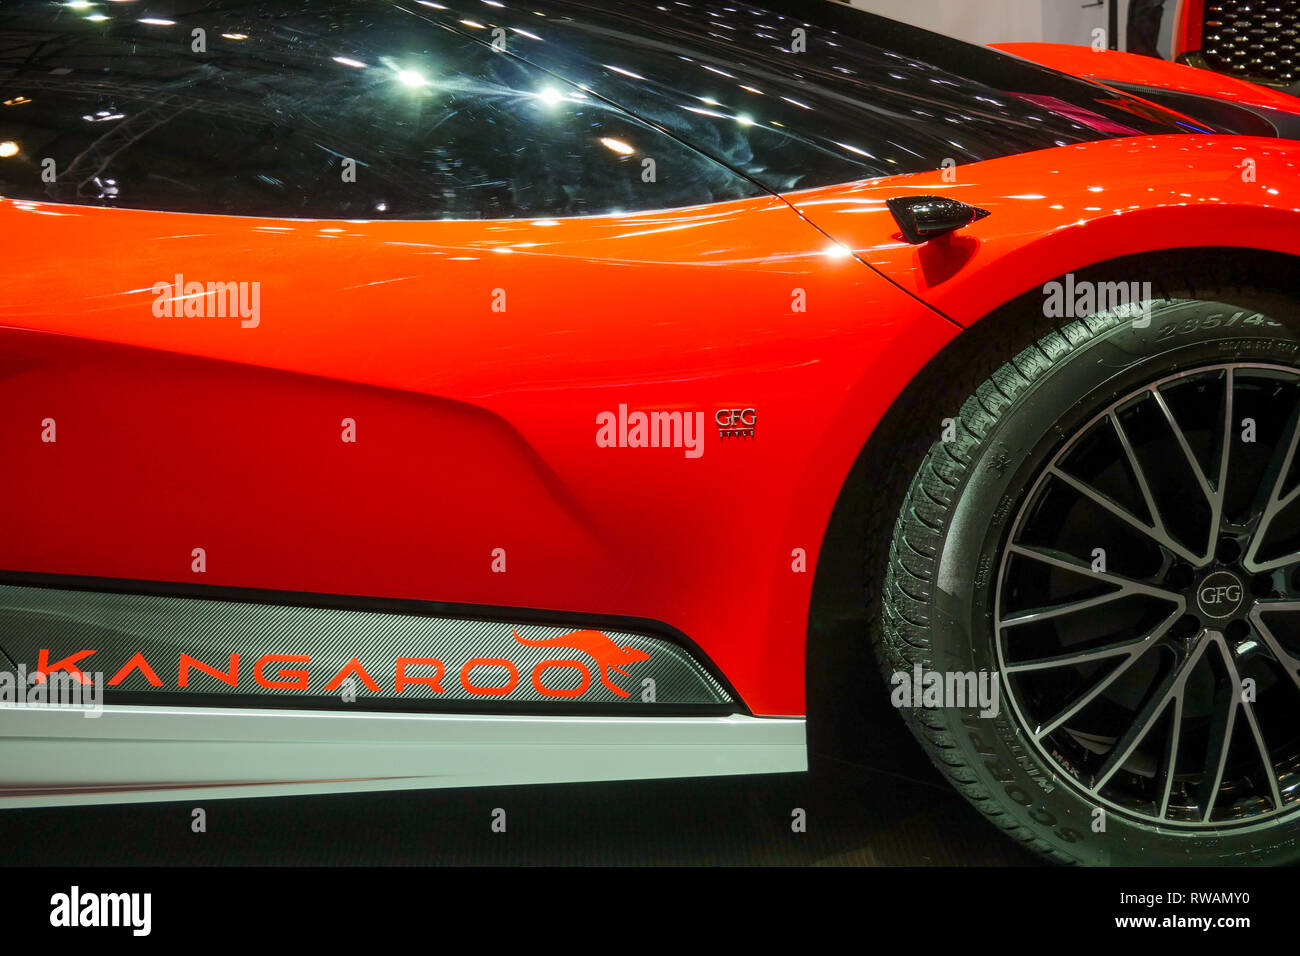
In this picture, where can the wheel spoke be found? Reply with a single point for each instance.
(1273, 500)
(1082, 657)
(1222, 721)
(1252, 721)
(1138, 647)
(1274, 563)
(1169, 766)
(1156, 531)
(1059, 610)
(1169, 690)
(1266, 762)
(1225, 456)
(1066, 562)
(1288, 661)
(1139, 473)
(1213, 493)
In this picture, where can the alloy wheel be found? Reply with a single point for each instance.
(1147, 605)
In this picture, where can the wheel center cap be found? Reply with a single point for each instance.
(1220, 595)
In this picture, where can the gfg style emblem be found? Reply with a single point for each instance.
(736, 422)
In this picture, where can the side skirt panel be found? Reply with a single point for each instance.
(128, 754)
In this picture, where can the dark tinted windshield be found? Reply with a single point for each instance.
(353, 110)
(502, 108)
(804, 94)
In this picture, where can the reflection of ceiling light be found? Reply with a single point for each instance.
(97, 18)
(473, 23)
(78, 4)
(619, 69)
(8, 148)
(17, 101)
(235, 36)
(617, 145)
(155, 22)
(429, 3)
(411, 78)
(551, 96)
(863, 152)
(348, 61)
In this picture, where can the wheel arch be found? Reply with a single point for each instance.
(851, 560)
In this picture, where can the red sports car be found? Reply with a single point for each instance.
(412, 394)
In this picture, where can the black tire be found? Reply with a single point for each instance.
(945, 566)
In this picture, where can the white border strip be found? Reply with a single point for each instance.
(134, 754)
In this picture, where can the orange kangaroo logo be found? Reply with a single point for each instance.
(607, 655)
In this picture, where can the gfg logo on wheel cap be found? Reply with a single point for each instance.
(1219, 595)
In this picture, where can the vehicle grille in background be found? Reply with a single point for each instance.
(1253, 39)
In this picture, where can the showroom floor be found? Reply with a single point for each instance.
(857, 815)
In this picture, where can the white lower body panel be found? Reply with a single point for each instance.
(133, 754)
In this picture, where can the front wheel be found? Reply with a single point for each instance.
(1091, 612)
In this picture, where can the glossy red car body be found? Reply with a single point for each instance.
(476, 427)
(1103, 65)
(195, 441)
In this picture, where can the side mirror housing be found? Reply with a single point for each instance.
(922, 218)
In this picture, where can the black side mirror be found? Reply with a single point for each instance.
(921, 218)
